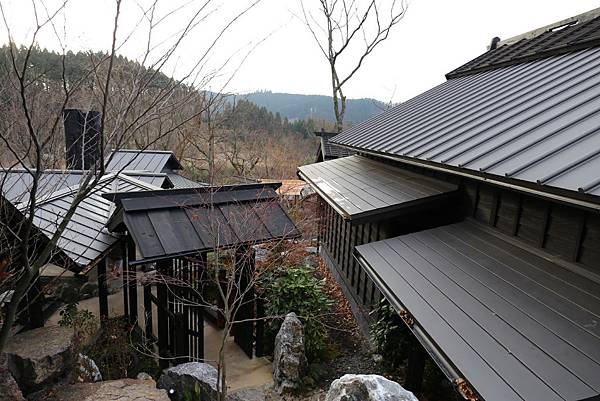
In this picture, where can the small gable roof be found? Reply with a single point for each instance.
(156, 161)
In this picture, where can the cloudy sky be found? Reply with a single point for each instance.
(269, 47)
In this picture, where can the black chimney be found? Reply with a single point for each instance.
(82, 138)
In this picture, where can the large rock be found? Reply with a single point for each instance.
(113, 390)
(367, 388)
(40, 356)
(289, 359)
(9, 389)
(193, 380)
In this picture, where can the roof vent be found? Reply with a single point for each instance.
(494, 43)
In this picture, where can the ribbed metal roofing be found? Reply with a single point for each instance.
(538, 122)
(513, 323)
(573, 34)
(156, 161)
(85, 236)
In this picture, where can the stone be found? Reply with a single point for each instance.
(9, 389)
(85, 370)
(248, 394)
(367, 388)
(40, 356)
(189, 380)
(112, 390)
(144, 376)
(289, 359)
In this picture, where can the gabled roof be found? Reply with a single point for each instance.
(178, 222)
(85, 237)
(329, 151)
(573, 34)
(156, 161)
(505, 318)
(535, 124)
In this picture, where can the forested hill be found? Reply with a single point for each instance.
(315, 107)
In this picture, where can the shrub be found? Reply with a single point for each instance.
(390, 335)
(296, 289)
(83, 322)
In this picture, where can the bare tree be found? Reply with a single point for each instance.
(134, 103)
(354, 28)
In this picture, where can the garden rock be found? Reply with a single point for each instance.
(189, 380)
(289, 360)
(9, 389)
(85, 370)
(40, 356)
(248, 394)
(112, 390)
(367, 388)
(143, 376)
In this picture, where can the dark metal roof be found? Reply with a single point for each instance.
(179, 181)
(85, 237)
(329, 151)
(358, 187)
(537, 122)
(172, 223)
(15, 183)
(566, 36)
(513, 323)
(156, 161)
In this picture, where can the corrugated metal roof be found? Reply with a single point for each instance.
(156, 161)
(15, 184)
(515, 325)
(180, 222)
(566, 36)
(538, 122)
(358, 187)
(85, 236)
(329, 151)
(179, 181)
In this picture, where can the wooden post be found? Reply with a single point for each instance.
(125, 268)
(243, 332)
(416, 367)
(132, 282)
(148, 310)
(163, 318)
(102, 291)
(181, 338)
(260, 328)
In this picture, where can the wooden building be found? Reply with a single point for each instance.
(473, 208)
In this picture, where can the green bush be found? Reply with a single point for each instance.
(83, 322)
(296, 289)
(390, 335)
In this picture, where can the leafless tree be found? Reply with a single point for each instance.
(131, 102)
(347, 32)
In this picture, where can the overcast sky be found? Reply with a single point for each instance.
(434, 37)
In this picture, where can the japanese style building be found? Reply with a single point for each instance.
(473, 208)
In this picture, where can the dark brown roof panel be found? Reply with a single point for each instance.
(172, 223)
(358, 187)
(511, 322)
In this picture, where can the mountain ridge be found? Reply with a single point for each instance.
(316, 107)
